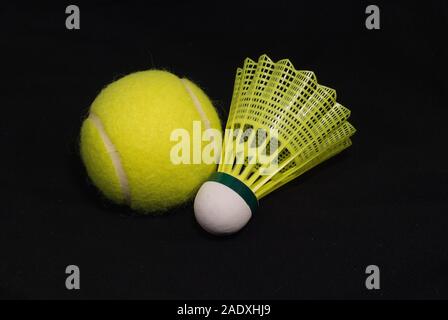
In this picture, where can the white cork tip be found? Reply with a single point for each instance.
(220, 210)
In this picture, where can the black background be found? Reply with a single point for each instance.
(383, 201)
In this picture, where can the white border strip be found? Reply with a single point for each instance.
(114, 156)
(197, 104)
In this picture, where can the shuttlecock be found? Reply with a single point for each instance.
(281, 124)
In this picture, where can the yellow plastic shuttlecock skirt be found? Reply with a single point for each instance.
(281, 124)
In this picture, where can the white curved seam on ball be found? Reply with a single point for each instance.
(114, 156)
(197, 104)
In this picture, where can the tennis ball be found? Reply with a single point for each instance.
(125, 141)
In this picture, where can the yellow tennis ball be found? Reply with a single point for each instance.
(125, 140)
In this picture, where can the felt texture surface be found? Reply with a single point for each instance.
(138, 113)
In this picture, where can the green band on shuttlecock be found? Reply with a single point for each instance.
(237, 186)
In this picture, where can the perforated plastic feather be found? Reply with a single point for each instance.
(304, 123)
